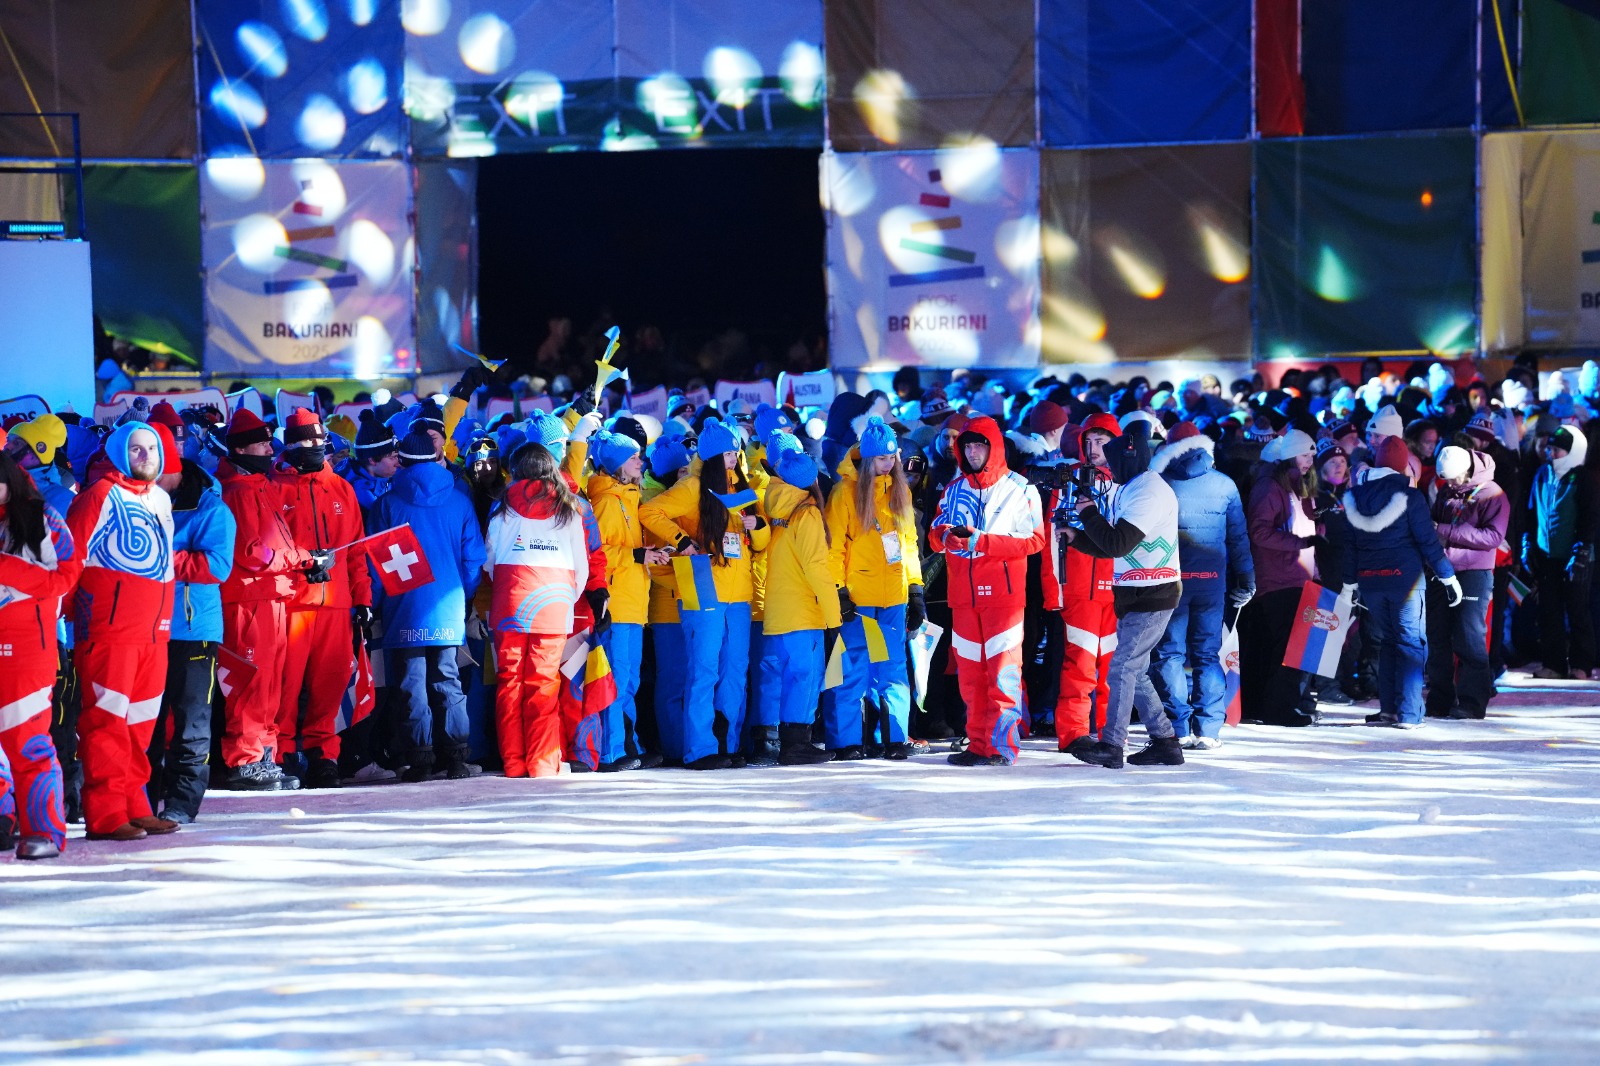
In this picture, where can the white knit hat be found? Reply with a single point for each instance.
(1387, 422)
(1291, 445)
(1453, 463)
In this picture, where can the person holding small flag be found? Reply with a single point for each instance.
(669, 463)
(424, 622)
(1471, 513)
(1392, 541)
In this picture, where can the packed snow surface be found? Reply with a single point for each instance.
(1339, 893)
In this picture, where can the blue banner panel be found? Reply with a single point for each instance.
(1137, 71)
(1365, 245)
(1375, 65)
(290, 78)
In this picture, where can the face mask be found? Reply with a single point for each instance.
(253, 464)
(305, 460)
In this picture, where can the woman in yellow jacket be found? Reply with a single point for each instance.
(875, 563)
(614, 494)
(802, 605)
(669, 464)
(695, 517)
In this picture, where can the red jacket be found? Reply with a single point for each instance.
(1002, 509)
(323, 513)
(266, 558)
(124, 528)
(31, 587)
(1086, 577)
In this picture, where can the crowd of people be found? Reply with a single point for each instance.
(188, 603)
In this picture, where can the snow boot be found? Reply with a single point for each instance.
(853, 753)
(972, 758)
(714, 761)
(1161, 751)
(761, 745)
(795, 747)
(37, 847)
(460, 770)
(650, 760)
(627, 762)
(323, 773)
(1097, 753)
(900, 751)
(421, 767)
(154, 826)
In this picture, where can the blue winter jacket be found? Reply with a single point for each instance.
(1213, 537)
(47, 479)
(446, 526)
(1392, 536)
(368, 488)
(203, 526)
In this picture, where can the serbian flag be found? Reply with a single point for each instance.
(1321, 623)
(234, 671)
(398, 558)
(697, 589)
(1228, 655)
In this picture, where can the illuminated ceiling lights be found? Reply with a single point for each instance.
(879, 96)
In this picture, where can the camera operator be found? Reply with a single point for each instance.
(1137, 527)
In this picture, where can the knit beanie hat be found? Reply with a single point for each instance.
(780, 443)
(546, 429)
(1183, 431)
(1481, 427)
(1047, 417)
(878, 439)
(631, 428)
(1291, 445)
(1453, 463)
(427, 413)
(610, 450)
(667, 456)
(418, 447)
(246, 428)
(303, 428)
(1394, 454)
(167, 415)
(797, 468)
(44, 435)
(770, 420)
(374, 440)
(1101, 422)
(1327, 449)
(1386, 422)
(717, 437)
(935, 406)
(171, 456)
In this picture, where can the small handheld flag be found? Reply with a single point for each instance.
(1321, 622)
(877, 647)
(737, 501)
(361, 696)
(1228, 654)
(833, 676)
(605, 373)
(599, 683)
(490, 364)
(234, 671)
(923, 642)
(697, 588)
(398, 557)
(1518, 589)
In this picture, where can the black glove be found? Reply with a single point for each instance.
(1580, 565)
(598, 600)
(847, 606)
(1240, 595)
(1530, 551)
(317, 571)
(364, 618)
(916, 609)
(583, 402)
(472, 378)
(964, 532)
(1316, 540)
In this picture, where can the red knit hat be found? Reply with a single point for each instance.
(171, 457)
(1047, 417)
(165, 414)
(1100, 422)
(303, 426)
(1394, 454)
(246, 428)
(1182, 431)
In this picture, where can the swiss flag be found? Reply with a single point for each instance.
(398, 558)
(234, 671)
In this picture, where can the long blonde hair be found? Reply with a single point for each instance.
(899, 495)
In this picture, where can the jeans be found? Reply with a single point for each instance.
(1138, 633)
(429, 686)
(180, 746)
(1459, 674)
(1197, 703)
(1398, 616)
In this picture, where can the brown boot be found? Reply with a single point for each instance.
(125, 831)
(155, 826)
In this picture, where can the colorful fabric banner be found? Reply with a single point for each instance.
(697, 589)
(1321, 623)
(933, 258)
(833, 672)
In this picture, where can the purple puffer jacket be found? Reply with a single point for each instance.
(1279, 527)
(1471, 518)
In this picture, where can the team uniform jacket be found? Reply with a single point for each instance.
(616, 511)
(203, 532)
(323, 513)
(266, 559)
(858, 557)
(125, 527)
(539, 569)
(800, 592)
(1004, 512)
(446, 528)
(31, 587)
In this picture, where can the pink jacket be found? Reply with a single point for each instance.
(1472, 518)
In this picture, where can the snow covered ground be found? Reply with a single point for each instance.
(1330, 894)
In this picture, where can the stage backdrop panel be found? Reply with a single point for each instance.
(126, 66)
(917, 73)
(1377, 65)
(447, 263)
(1132, 71)
(542, 75)
(300, 78)
(1541, 239)
(145, 224)
(1146, 254)
(308, 268)
(1560, 71)
(1365, 245)
(933, 258)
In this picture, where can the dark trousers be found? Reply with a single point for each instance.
(1044, 637)
(64, 706)
(429, 687)
(180, 745)
(1566, 629)
(1459, 674)
(1398, 617)
(1500, 620)
(1269, 691)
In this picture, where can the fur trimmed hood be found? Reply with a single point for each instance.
(1377, 504)
(1172, 452)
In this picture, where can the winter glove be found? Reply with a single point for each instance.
(1452, 590)
(317, 571)
(1348, 595)
(364, 619)
(916, 609)
(472, 379)
(1530, 551)
(1316, 540)
(583, 401)
(1580, 565)
(1240, 595)
(847, 606)
(586, 427)
(599, 601)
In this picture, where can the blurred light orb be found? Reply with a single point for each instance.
(319, 184)
(424, 18)
(306, 18)
(1016, 242)
(801, 73)
(428, 97)
(321, 124)
(370, 249)
(363, 11)
(486, 43)
(236, 100)
(896, 223)
(934, 335)
(970, 168)
(670, 99)
(256, 240)
(1333, 280)
(734, 74)
(533, 93)
(261, 49)
(366, 86)
(847, 188)
(238, 177)
(373, 348)
(880, 95)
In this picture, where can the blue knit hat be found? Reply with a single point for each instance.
(769, 420)
(668, 456)
(878, 439)
(546, 429)
(717, 437)
(610, 450)
(780, 443)
(797, 468)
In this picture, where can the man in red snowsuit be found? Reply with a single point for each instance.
(1081, 591)
(255, 598)
(988, 522)
(323, 515)
(122, 615)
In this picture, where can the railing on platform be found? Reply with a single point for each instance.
(41, 197)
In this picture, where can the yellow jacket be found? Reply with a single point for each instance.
(759, 479)
(800, 594)
(616, 509)
(675, 514)
(857, 559)
(663, 582)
